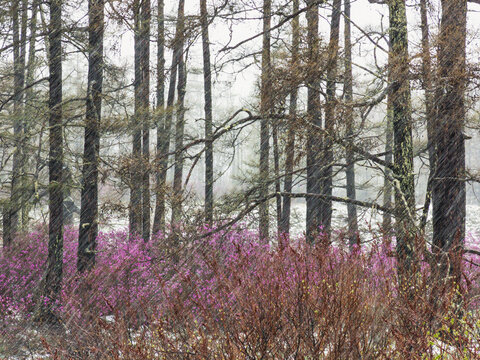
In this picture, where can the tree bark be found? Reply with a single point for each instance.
(136, 207)
(88, 231)
(265, 110)
(207, 84)
(19, 41)
(145, 114)
(54, 272)
(180, 123)
(402, 130)
(429, 105)
(29, 108)
(353, 234)
(276, 170)
(327, 171)
(163, 139)
(314, 115)
(449, 199)
(290, 147)
(159, 217)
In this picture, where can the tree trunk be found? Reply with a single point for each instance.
(207, 84)
(276, 169)
(402, 130)
(449, 199)
(19, 41)
(88, 230)
(265, 110)
(136, 208)
(145, 115)
(180, 123)
(387, 180)
(429, 106)
(353, 235)
(164, 136)
(290, 148)
(327, 173)
(53, 277)
(29, 108)
(314, 116)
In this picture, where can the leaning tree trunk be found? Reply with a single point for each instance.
(449, 197)
(353, 235)
(145, 115)
(265, 110)
(88, 230)
(402, 132)
(327, 171)
(314, 116)
(53, 277)
(164, 127)
(207, 84)
(290, 147)
(180, 123)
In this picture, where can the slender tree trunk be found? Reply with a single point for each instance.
(29, 108)
(327, 174)
(290, 147)
(314, 115)
(180, 124)
(429, 105)
(19, 39)
(145, 114)
(207, 84)
(159, 218)
(276, 169)
(449, 199)
(23, 143)
(402, 130)
(88, 230)
(265, 110)
(353, 234)
(53, 277)
(136, 208)
(165, 135)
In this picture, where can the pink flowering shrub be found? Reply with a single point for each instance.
(229, 295)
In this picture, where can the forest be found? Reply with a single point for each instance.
(239, 179)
